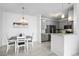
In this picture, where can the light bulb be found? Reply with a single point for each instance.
(69, 18)
(62, 16)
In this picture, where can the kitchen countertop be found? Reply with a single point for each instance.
(59, 33)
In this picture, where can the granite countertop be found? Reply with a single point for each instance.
(59, 33)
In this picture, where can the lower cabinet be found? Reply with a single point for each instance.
(57, 44)
(44, 37)
(71, 45)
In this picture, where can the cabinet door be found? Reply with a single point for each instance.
(70, 45)
(57, 44)
(44, 37)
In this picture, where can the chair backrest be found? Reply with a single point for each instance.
(10, 40)
(21, 40)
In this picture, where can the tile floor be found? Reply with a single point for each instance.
(42, 49)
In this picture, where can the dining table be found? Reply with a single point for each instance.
(14, 38)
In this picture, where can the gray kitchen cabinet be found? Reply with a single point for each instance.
(44, 37)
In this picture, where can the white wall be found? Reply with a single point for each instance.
(0, 27)
(9, 30)
(76, 23)
(76, 27)
(39, 28)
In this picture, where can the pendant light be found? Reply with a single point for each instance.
(22, 21)
(70, 14)
(70, 18)
(62, 15)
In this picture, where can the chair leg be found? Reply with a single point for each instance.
(7, 48)
(24, 49)
(32, 44)
(27, 46)
(17, 52)
(15, 49)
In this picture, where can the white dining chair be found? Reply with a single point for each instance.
(10, 42)
(29, 39)
(20, 42)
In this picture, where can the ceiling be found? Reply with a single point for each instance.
(34, 8)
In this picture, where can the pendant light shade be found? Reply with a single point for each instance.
(22, 21)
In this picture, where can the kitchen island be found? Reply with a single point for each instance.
(64, 44)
